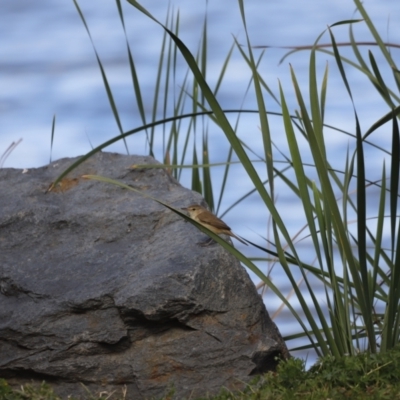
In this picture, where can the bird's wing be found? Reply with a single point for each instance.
(214, 221)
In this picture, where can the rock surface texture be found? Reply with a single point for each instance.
(103, 287)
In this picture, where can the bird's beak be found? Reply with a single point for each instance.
(184, 208)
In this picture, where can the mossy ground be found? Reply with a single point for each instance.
(364, 376)
(372, 376)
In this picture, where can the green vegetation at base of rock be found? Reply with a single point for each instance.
(364, 376)
(374, 376)
(27, 392)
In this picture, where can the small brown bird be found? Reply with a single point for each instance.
(210, 221)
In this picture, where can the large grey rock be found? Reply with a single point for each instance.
(101, 286)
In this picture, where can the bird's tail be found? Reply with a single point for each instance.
(238, 238)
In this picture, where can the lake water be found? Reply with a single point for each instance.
(48, 68)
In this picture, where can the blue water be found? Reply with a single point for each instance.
(48, 67)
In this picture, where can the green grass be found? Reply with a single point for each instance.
(356, 377)
(27, 392)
